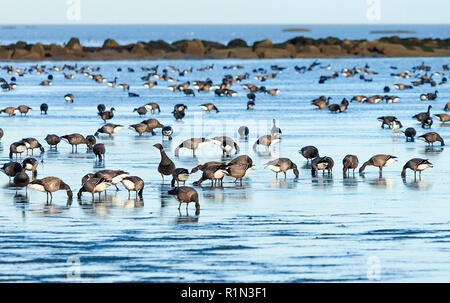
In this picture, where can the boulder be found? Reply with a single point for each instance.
(19, 54)
(237, 43)
(242, 53)
(190, 46)
(139, 49)
(110, 43)
(74, 44)
(5, 54)
(331, 50)
(262, 44)
(160, 45)
(57, 50)
(271, 53)
(218, 53)
(210, 45)
(38, 50)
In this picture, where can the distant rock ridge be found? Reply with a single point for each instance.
(298, 47)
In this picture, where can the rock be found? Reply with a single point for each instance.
(331, 50)
(218, 53)
(242, 53)
(20, 45)
(237, 43)
(160, 45)
(190, 46)
(56, 50)
(311, 49)
(262, 44)
(38, 50)
(19, 54)
(74, 44)
(175, 55)
(5, 54)
(139, 50)
(110, 43)
(210, 45)
(270, 53)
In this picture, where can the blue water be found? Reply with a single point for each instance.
(95, 35)
(267, 230)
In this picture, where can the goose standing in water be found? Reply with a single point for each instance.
(109, 129)
(379, 161)
(420, 116)
(243, 132)
(167, 131)
(427, 122)
(192, 143)
(243, 159)
(69, 98)
(107, 115)
(389, 121)
(447, 107)
(321, 102)
(282, 165)
(349, 162)
(213, 173)
(152, 107)
(442, 117)
(50, 185)
(321, 163)
(17, 148)
(309, 152)
(99, 151)
(74, 140)
(179, 175)
(21, 179)
(239, 171)
(410, 133)
(209, 107)
(140, 110)
(275, 131)
(94, 185)
(251, 105)
(432, 137)
(11, 111)
(44, 108)
(166, 166)
(134, 183)
(90, 142)
(32, 143)
(140, 128)
(112, 176)
(186, 194)
(204, 166)
(416, 165)
(152, 124)
(227, 144)
(31, 165)
(11, 169)
(266, 141)
(101, 108)
(24, 109)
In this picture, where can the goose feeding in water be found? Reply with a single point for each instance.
(94, 185)
(167, 131)
(389, 121)
(309, 152)
(152, 107)
(416, 165)
(142, 110)
(192, 144)
(410, 134)
(112, 176)
(442, 117)
(209, 107)
(17, 148)
(69, 98)
(44, 108)
(134, 183)
(50, 185)
(349, 162)
(11, 169)
(74, 140)
(266, 141)
(152, 124)
(32, 143)
(226, 143)
(186, 194)
(108, 129)
(31, 165)
(53, 140)
(282, 165)
(99, 151)
(243, 132)
(215, 173)
(321, 163)
(379, 161)
(21, 179)
(140, 128)
(24, 109)
(239, 171)
(179, 175)
(432, 137)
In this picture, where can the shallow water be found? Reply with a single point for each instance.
(267, 230)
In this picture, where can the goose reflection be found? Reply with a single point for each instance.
(183, 219)
(283, 184)
(215, 194)
(380, 182)
(433, 150)
(99, 164)
(163, 195)
(307, 166)
(20, 200)
(416, 184)
(351, 182)
(53, 208)
(322, 181)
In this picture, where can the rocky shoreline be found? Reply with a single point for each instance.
(299, 47)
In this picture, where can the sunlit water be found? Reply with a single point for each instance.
(268, 230)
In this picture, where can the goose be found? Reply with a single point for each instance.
(50, 185)
(349, 162)
(130, 94)
(447, 107)
(275, 131)
(112, 83)
(267, 141)
(416, 165)
(251, 96)
(179, 175)
(167, 131)
(166, 166)
(309, 152)
(112, 176)
(386, 89)
(141, 110)
(213, 173)
(334, 108)
(1, 133)
(192, 143)
(10, 110)
(374, 99)
(391, 99)
(429, 96)
(69, 98)
(107, 115)
(432, 137)
(99, 151)
(188, 92)
(427, 121)
(53, 140)
(31, 165)
(209, 107)
(282, 165)
(90, 142)
(204, 166)
(419, 117)
(243, 159)
(150, 84)
(321, 102)
(152, 124)
(243, 132)
(239, 171)
(74, 140)
(11, 169)
(124, 86)
(109, 129)
(410, 134)
(17, 148)
(44, 108)
(250, 105)
(379, 161)
(45, 83)
(179, 107)
(359, 98)
(140, 128)
(101, 108)
(389, 120)
(443, 117)
(178, 115)
(152, 107)
(32, 143)
(134, 183)
(273, 91)
(401, 86)
(321, 163)
(94, 185)
(21, 179)
(226, 143)
(185, 194)
(24, 109)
